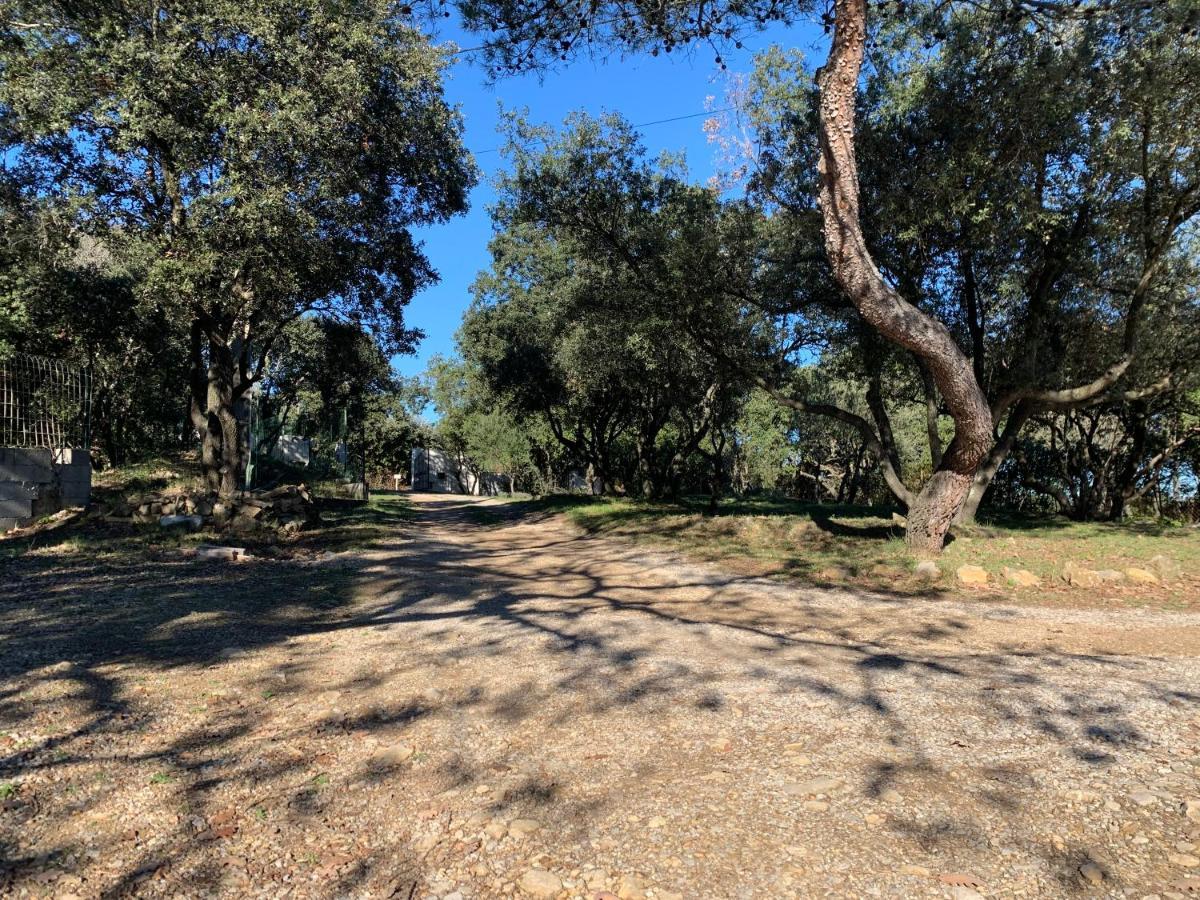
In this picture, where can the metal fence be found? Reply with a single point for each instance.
(44, 403)
(332, 465)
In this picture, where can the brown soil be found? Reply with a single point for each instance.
(384, 723)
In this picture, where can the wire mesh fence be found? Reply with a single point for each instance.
(328, 459)
(44, 403)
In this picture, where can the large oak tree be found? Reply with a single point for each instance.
(274, 157)
(540, 34)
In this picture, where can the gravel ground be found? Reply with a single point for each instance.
(523, 710)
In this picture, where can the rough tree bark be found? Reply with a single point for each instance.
(934, 508)
(214, 394)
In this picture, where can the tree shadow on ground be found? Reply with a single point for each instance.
(105, 649)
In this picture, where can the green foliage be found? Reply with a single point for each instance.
(608, 293)
(330, 381)
(259, 161)
(767, 452)
(1035, 189)
(496, 443)
(473, 423)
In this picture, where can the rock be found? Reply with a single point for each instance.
(822, 784)
(1183, 860)
(1091, 873)
(1165, 568)
(630, 887)
(1021, 577)
(918, 871)
(1191, 809)
(234, 554)
(1110, 575)
(540, 883)
(244, 523)
(890, 795)
(834, 573)
(1077, 576)
(959, 892)
(972, 575)
(392, 756)
(816, 805)
(927, 570)
(495, 830)
(1143, 797)
(1141, 576)
(173, 521)
(656, 822)
(523, 828)
(595, 879)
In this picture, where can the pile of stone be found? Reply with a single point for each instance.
(1158, 569)
(286, 509)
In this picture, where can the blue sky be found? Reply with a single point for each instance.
(642, 88)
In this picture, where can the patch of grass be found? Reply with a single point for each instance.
(178, 472)
(161, 778)
(321, 780)
(345, 525)
(863, 547)
(503, 509)
(356, 524)
(8, 790)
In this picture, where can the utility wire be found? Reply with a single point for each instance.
(696, 115)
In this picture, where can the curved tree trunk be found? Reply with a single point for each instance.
(991, 464)
(880, 305)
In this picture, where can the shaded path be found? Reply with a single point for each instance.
(706, 734)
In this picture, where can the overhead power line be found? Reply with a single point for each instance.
(696, 115)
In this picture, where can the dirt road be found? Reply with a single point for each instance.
(519, 709)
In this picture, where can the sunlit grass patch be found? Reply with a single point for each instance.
(864, 547)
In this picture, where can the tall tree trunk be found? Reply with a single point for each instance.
(880, 305)
(212, 412)
(1125, 488)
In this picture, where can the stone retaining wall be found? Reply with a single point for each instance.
(288, 509)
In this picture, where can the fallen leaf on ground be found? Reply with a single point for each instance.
(960, 879)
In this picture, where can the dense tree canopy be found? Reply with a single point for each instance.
(1013, 213)
(258, 161)
(961, 266)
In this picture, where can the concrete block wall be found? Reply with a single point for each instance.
(38, 481)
